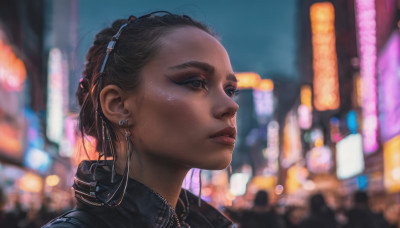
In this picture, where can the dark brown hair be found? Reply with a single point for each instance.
(136, 46)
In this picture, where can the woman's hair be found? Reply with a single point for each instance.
(134, 48)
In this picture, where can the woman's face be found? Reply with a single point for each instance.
(184, 110)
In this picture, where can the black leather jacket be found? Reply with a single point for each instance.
(140, 207)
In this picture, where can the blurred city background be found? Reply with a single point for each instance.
(319, 101)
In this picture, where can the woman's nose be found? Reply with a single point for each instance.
(224, 107)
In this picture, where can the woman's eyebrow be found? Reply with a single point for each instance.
(207, 68)
(232, 77)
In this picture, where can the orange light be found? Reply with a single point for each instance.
(52, 180)
(296, 175)
(31, 183)
(391, 155)
(12, 69)
(264, 182)
(11, 140)
(265, 85)
(358, 91)
(291, 140)
(319, 142)
(248, 80)
(305, 96)
(84, 152)
(326, 86)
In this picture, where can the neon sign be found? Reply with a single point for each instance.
(389, 89)
(264, 100)
(56, 99)
(366, 24)
(391, 155)
(306, 96)
(248, 80)
(12, 69)
(291, 140)
(349, 157)
(272, 151)
(326, 86)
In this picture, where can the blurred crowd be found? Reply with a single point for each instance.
(317, 214)
(259, 212)
(14, 214)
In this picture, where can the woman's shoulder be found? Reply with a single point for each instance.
(98, 217)
(76, 219)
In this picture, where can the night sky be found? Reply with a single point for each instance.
(259, 35)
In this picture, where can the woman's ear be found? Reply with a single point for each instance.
(112, 100)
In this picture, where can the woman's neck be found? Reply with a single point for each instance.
(161, 176)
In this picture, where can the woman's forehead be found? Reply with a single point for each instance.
(190, 43)
(187, 36)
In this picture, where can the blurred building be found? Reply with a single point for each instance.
(348, 64)
(28, 153)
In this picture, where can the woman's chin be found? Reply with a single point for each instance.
(216, 164)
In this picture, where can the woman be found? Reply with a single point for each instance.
(158, 98)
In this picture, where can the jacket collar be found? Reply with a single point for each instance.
(92, 187)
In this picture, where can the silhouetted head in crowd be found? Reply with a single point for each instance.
(261, 199)
(317, 203)
(2, 199)
(360, 199)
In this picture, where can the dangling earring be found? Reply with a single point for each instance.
(125, 178)
(200, 185)
(112, 150)
(106, 141)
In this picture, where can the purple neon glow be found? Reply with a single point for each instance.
(192, 181)
(366, 24)
(389, 88)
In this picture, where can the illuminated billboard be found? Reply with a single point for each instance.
(35, 157)
(326, 85)
(319, 159)
(271, 153)
(292, 149)
(391, 156)
(264, 100)
(38, 160)
(57, 95)
(389, 88)
(12, 69)
(12, 121)
(247, 80)
(349, 156)
(366, 26)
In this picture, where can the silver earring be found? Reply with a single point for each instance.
(124, 180)
(200, 185)
(123, 122)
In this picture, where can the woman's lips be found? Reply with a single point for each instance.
(226, 136)
(224, 140)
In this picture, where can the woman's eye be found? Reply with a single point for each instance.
(197, 84)
(232, 92)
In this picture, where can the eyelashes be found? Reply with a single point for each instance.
(196, 83)
(232, 92)
(199, 83)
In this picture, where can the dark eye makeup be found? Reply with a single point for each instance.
(199, 82)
